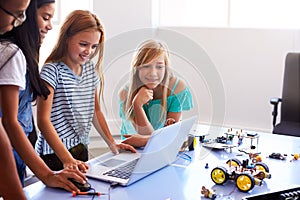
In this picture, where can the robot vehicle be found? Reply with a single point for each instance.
(245, 175)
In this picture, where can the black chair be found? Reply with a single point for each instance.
(290, 101)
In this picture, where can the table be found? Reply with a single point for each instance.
(184, 178)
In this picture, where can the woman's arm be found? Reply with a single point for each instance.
(44, 107)
(8, 172)
(101, 126)
(136, 140)
(140, 121)
(9, 104)
(173, 117)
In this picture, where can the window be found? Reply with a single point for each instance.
(64, 7)
(228, 13)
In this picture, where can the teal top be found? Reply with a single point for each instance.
(175, 103)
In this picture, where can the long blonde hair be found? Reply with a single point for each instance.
(78, 21)
(145, 53)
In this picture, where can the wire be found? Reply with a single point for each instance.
(93, 189)
(185, 156)
(93, 193)
(233, 191)
(112, 186)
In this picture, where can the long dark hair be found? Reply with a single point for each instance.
(27, 38)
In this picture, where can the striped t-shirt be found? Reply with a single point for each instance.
(73, 104)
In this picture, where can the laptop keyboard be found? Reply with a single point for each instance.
(122, 172)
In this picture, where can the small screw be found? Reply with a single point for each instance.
(206, 166)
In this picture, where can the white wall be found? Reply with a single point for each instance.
(232, 73)
(249, 62)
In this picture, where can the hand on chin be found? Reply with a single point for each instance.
(151, 86)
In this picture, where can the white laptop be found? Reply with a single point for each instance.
(160, 151)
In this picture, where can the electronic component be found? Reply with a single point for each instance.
(278, 156)
(288, 194)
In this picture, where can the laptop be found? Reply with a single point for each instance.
(126, 167)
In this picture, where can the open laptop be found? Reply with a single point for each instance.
(127, 167)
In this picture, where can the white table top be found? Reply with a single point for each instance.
(184, 179)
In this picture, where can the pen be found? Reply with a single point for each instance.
(86, 193)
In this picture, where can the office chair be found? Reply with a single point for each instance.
(290, 101)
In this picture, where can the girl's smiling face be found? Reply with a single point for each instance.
(45, 15)
(152, 73)
(81, 46)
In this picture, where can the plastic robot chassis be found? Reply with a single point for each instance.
(245, 175)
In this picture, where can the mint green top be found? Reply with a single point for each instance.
(175, 103)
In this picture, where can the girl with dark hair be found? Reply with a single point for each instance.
(16, 110)
(8, 172)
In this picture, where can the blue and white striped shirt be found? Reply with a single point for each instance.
(73, 104)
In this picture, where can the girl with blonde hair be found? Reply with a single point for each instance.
(66, 116)
(154, 97)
